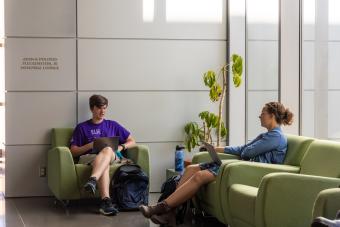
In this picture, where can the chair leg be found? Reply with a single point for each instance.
(65, 204)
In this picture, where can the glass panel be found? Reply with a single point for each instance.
(262, 59)
(320, 69)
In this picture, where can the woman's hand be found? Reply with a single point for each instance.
(219, 149)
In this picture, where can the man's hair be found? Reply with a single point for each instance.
(98, 101)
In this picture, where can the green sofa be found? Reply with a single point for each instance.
(66, 178)
(209, 197)
(266, 195)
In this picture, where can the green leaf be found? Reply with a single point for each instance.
(193, 135)
(237, 69)
(215, 92)
(203, 115)
(214, 118)
(223, 130)
(209, 78)
(237, 80)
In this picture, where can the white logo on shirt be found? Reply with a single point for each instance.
(95, 131)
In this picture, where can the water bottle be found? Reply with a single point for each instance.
(179, 159)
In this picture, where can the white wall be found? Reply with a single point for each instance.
(147, 57)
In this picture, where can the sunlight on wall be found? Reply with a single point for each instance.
(261, 11)
(194, 11)
(237, 8)
(309, 11)
(148, 10)
(334, 16)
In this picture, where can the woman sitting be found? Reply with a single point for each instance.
(268, 147)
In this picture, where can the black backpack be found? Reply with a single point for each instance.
(129, 187)
(168, 187)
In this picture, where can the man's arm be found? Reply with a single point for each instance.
(130, 141)
(77, 151)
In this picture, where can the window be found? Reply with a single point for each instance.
(262, 41)
(320, 69)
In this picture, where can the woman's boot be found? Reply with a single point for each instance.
(159, 208)
(168, 218)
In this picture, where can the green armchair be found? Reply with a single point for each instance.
(327, 203)
(66, 178)
(264, 196)
(212, 197)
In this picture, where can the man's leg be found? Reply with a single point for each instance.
(101, 174)
(99, 165)
(104, 183)
(106, 206)
(101, 162)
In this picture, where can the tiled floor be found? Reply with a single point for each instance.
(41, 212)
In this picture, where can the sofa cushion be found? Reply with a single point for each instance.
(322, 159)
(242, 202)
(296, 148)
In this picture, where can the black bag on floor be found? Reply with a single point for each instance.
(129, 187)
(168, 187)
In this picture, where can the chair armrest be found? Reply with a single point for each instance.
(327, 203)
(139, 154)
(205, 157)
(247, 173)
(251, 173)
(286, 199)
(61, 174)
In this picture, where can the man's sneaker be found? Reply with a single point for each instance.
(90, 185)
(107, 208)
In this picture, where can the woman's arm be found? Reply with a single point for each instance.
(267, 142)
(236, 150)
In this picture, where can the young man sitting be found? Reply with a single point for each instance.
(82, 143)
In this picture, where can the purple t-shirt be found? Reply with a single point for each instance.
(87, 131)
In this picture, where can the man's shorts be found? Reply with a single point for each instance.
(88, 159)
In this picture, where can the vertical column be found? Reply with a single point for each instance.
(237, 98)
(290, 63)
(321, 70)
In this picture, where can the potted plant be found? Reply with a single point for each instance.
(195, 133)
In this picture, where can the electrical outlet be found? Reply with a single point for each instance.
(42, 171)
